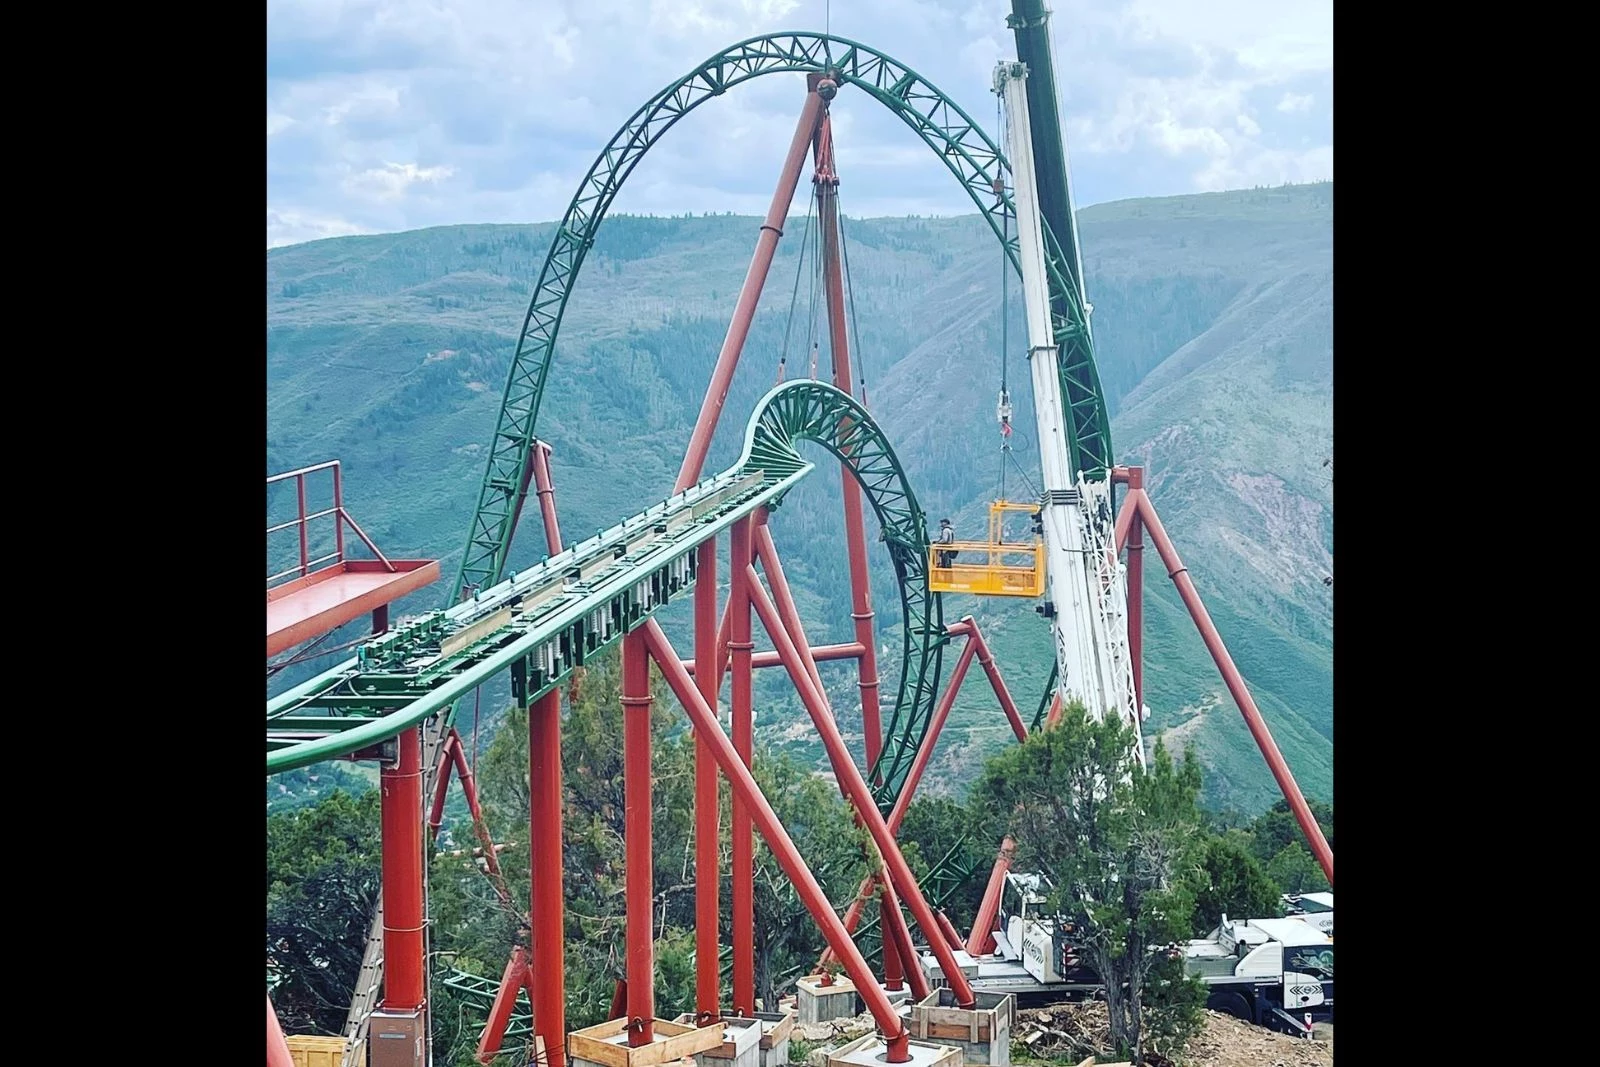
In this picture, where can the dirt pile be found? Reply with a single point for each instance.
(1073, 1032)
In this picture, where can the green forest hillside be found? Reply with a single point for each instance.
(1213, 330)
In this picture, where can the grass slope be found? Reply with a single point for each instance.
(1213, 326)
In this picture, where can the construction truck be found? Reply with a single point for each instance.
(1271, 972)
(1314, 908)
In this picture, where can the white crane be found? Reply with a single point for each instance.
(1087, 587)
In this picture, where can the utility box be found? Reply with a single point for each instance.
(314, 1050)
(819, 1003)
(983, 1032)
(397, 1039)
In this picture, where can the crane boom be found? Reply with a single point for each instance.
(1087, 589)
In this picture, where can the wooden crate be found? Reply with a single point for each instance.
(982, 1032)
(606, 1045)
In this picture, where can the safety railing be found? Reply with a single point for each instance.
(302, 521)
(985, 569)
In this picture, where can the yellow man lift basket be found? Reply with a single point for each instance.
(995, 567)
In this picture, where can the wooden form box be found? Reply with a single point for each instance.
(606, 1045)
(983, 1033)
(869, 1049)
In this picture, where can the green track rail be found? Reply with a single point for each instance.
(544, 622)
(964, 148)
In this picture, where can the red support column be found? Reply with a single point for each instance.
(277, 1048)
(951, 935)
(441, 788)
(1136, 590)
(547, 994)
(1235, 682)
(821, 654)
(969, 626)
(981, 943)
(897, 944)
(767, 553)
(739, 646)
(512, 981)
(855, 786)
(783, 850)
(827, 182)
(640, 865)
(546, 488)
(744, 311)
(404, 979)
(708, 980)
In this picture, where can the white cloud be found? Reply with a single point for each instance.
(501, 105)
(391, 181)
(291, 228)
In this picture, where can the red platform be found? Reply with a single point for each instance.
(308, 607)
(322, 598)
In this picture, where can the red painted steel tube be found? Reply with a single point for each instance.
(893, 971)
(783, 850)
(277, 1048)
(941, 713)
(707, 984)
(724, 654)
(969, 626)
(981, 941)
(745, 310)
(640, 864)
(762, 660)
(827, 182)
(767, 553)
(904, 882)
(1136, 591)
(897, 944)
(545, 486)
(512, 980)
(441, 788)
(404, 979)
(1235, 682)
(744, 868)
(469, 789)
(547, 995)
(948, 928)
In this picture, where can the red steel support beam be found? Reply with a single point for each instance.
(969, 626)
(827, 183)
(404, 978)
(855, 786)
(1235, 682)
(277, 1048)
(546, 488)
(783, 850)
(761, 660)
(1136, 590)
(707, 985)
(951, 934)
(744, 876)
(767, 553)
(547, 995)
(897, 943)
(744, 311)
(512, 982)
(640, 864)
(981, 942)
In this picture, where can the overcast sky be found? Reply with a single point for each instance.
(387, 115)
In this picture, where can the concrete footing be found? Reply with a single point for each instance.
(869, 1051)
(818, 1003)
(740, 1041)
(606, 1045)
(982, 1033)
(775, 1030)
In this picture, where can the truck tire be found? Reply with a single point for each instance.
(1232, 1004)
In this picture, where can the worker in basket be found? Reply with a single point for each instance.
(947, 536)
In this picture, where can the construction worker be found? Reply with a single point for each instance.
(947, 536)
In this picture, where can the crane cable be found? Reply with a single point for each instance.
(1003, 406)
(794, 297)
(850, 300)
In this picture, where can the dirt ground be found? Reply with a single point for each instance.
(1070, 1032)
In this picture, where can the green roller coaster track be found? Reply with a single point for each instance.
(970, 155)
